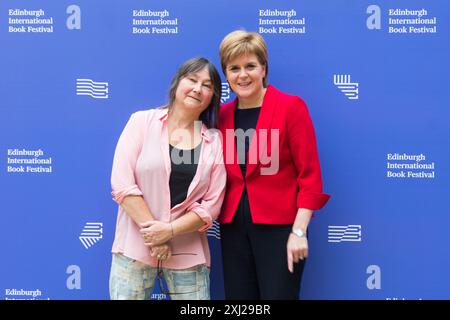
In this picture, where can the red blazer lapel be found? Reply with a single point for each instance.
(258, 145)
(229, 142)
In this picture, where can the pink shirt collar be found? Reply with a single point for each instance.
(205, 133)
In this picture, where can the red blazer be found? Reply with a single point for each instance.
(275, 191)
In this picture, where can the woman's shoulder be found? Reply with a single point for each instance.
(228, 106)
(291, 105)
(284, 96)
(148, 115)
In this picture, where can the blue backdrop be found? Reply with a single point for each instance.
(373, 74)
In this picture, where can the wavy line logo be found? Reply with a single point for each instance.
(345, 84)
(91, 233)
(96, 90)
(214, 231)
(349, 233)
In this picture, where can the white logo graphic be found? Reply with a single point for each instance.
(92, 232)
(343, 82)
(214, 231)
(350, 233)
(225, 92)
(87, 87)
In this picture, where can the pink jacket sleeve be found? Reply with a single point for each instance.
(123, 182)
(302, 142)
(208, 208)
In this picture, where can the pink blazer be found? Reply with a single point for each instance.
(142, 166)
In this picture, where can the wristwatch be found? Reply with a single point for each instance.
(299, 233)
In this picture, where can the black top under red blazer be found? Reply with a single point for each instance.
(275, 192)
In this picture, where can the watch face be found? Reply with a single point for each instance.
(298, 232)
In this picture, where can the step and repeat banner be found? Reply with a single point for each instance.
(373, 74)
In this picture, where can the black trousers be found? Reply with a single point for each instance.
(254, 259)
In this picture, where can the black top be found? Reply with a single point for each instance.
(245, 119)
(184, 165)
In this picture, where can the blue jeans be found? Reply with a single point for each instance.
(134, 280)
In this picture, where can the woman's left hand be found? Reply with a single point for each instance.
(297, 249)
(155, 232)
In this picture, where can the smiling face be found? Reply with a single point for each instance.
(195, 91)
(245, 74)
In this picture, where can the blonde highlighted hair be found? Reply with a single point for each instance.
(241, 42)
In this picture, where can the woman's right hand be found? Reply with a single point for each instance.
(161, 252)
(156, 232)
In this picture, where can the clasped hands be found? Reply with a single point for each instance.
(156, 235)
